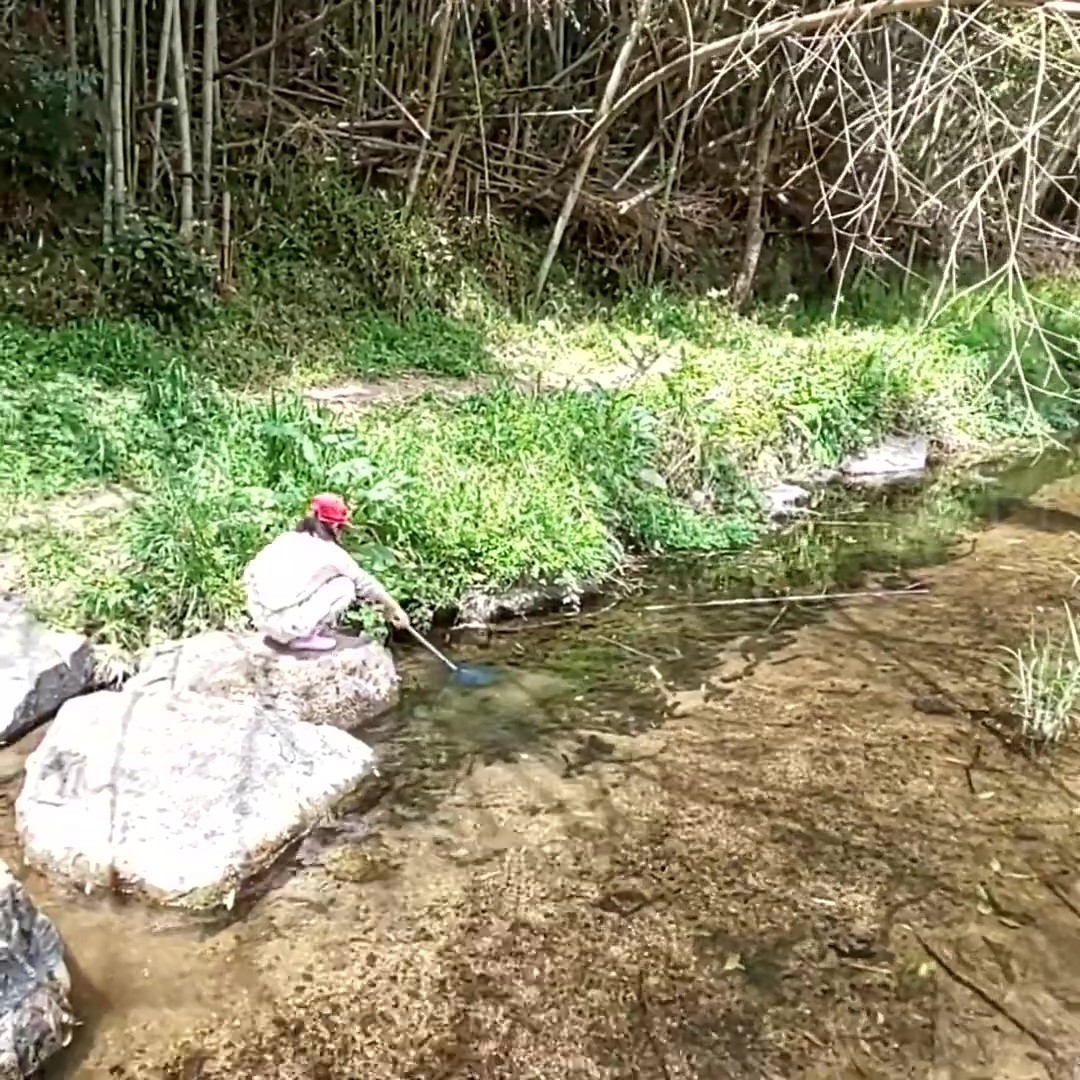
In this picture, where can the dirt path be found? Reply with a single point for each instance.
(355, 395)
(569, 373)
(824, 869)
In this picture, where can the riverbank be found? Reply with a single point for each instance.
(142, 469)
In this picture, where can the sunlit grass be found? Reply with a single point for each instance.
(501, 488)
(1045, 681)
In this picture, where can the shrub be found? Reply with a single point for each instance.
(152, 275)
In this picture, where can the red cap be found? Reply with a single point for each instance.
(330, 509)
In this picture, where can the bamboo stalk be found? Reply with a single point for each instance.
(491, 132)
(481, 125)
(226, 243)
(803, 598)
(209, 59)
(71, 41)
(98, 19)
(755, 231)
(590, 150)
(107, 198)
(129, 98)
(271, 80)
(189, 37)
(692, 80)
(102, 35)
(169, 16)
(116, 113)
(791, 25)
(442, 47)
(144, 51)
(183, 122)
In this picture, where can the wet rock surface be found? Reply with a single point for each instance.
(353, 683)
(178, 795)
(40, 669)
(894, 458)
(35, 1015)
(482, 608)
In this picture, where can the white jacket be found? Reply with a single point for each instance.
(290, 568)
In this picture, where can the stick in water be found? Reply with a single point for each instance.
(809, 598)
(431, 649)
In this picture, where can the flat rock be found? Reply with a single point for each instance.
(35, 1014)
(480, 607)
(354, 683)
(894, 457)
(179, 796)
(40, 669)
(785, 500)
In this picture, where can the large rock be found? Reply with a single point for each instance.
(39, 669)
(179, 796)
(895, 457)
(345, 687)
(35, 1016)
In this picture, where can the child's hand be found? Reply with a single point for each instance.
(397, 618)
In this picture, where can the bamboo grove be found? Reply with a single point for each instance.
(655, 132)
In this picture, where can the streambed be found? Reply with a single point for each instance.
(674, 841)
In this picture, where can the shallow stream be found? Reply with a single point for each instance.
(674, 840)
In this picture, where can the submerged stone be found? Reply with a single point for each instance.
(40, 669)
(895, 457)
(354, 682)
(35, 1015)
(178, 795)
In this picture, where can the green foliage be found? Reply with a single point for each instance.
(152, 275)
(259, 344)
(390, 259)
(47, 136)
(422, 341)
(501, 488)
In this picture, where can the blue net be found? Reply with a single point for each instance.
(474, 676)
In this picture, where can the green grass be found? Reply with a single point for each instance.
(495, 489)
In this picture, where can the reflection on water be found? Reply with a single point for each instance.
(463, 763)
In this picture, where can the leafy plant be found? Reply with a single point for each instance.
(155, 276)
